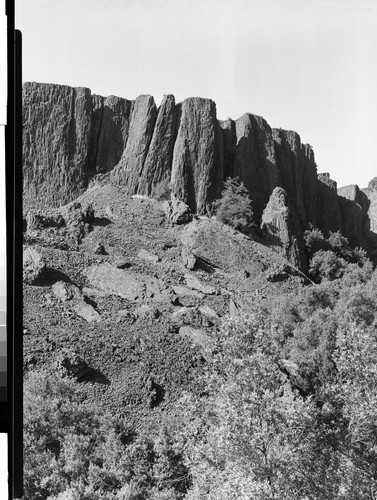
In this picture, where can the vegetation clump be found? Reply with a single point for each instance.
(332, 257)
(234, 208)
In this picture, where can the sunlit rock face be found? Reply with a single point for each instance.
(283, 230)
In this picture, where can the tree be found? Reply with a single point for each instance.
(234, 207)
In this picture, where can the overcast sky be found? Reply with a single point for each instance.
(305, 65)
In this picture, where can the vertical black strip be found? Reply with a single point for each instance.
(13, 173)
(18, 290)
(9, 185)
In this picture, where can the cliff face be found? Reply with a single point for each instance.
(71, 135)
(197, 166)
(359, 215)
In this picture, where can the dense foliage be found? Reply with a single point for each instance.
(234, 207)
(331, 258)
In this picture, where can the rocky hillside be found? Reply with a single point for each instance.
(73, 138)
(127, 298)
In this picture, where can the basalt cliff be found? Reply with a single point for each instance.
(73, 138)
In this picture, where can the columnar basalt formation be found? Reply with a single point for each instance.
(328, 209)
(157, 166)
(254, 159)
(283, 230)
(131, 165)
(197, 167)
(109, 133)
(70, 136)
(360, 205)
(298, 173)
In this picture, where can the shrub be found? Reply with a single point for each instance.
(234, 207)
(326, 265)
(315, 241)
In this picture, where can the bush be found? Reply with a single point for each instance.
(74, 450)
(315, 241)
(332, 258)
(234, 206)
(326, 265)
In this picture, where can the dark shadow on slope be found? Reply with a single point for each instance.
(76, 367)
(51, 276)
(158, 394)
(101, 221)
(205, 265)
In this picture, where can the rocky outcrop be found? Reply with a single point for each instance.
(110, 123)
(359, 211)
(68, 136)
(129, 285)
(255, 160)
(283, 230)
(71, 296)
(176, 211)
(298, 173)
(71, 137)
(350, 202)
(157, 166)
(329, 216)
(34, 266)
(129, 170)
(197, 168)
(219, 247)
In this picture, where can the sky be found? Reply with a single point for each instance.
(304, 65)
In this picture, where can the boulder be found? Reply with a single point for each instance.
(149, 257)
(188, 258)
(146, 312)
(184, 291)
(86, 312)
(100, 249)
(42, 219)
(71, 295)
(209, 317)
(182, 315)
(194, 283)
(176, 211)
(130, 285)
(34, 266)
(66, 291)
(234, 308)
